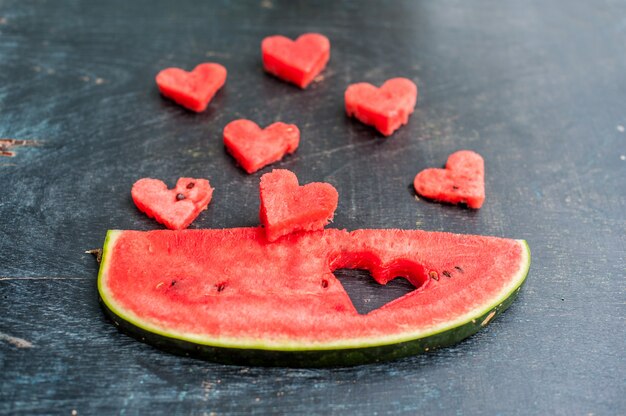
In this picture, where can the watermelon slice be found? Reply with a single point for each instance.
(230, 296)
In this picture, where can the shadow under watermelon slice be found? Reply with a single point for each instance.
(230, 296)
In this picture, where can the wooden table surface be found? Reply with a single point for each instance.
(538, 88)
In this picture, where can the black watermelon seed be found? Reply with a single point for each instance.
(180, 197)
(191, 185)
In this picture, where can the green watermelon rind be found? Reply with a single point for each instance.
(291, 354)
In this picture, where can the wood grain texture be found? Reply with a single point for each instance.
(537, 88)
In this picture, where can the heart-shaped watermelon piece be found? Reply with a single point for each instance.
(462, 181)
(193, 90)
(254, 147)
(297, 62)
(175, 208)
(287, 207)
(386, 108)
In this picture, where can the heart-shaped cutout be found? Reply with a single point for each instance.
(299, 61)
(462, 181)
(386, 108)
(193, 90)
(366, 294)
(287, 207)
(175, 208)
(254, 148)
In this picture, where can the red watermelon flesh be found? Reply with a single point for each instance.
(230, 288)
(175, 208)
(299, 61)
(253, 147)
(462, 181)
(193, 90)
(287, 207)
(386, 108)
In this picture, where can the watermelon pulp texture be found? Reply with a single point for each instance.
(193, 90)
(253, 147)
(462, 181)
(386, 108)
(233, 296)
(175, 208)
(299, 61)
(287, 207)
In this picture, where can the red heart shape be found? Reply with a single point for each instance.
(462, 181)
(254, 148)
(297, 61)
(193, 90)
(287, 207)
(386, 108)
(175, 208)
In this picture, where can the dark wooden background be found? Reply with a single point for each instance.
(537, 87)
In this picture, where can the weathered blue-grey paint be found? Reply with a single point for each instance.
(536, 87)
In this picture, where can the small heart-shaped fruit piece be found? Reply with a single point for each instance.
(297, 61)
(254, 148)
(287, 207)
(175, 208)
(462, 181)
(386, 108)
(193, 90)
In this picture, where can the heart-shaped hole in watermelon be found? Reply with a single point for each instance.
(371, 283)
(368, 295)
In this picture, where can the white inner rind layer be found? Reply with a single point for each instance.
(513, 285)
